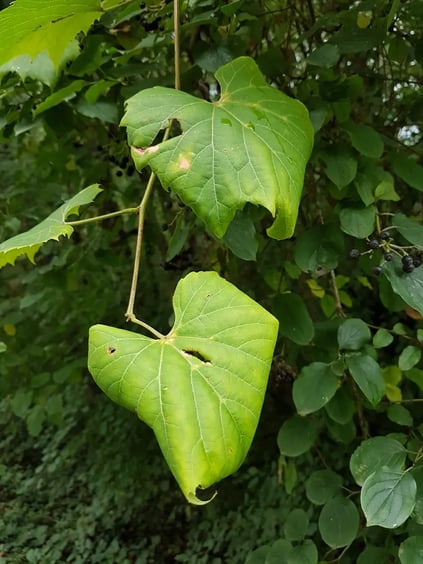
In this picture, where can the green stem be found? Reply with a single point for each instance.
(137, 260)
(177, 49)
(101, 217)
(130, 316)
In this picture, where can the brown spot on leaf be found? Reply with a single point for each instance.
(111, 350)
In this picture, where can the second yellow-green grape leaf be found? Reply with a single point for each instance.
(201, 387)
(252, 145)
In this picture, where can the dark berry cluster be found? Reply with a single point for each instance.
(384, 243)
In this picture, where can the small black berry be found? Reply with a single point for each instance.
(407, 260)
(385, 235)
(354, 253)
(374, 244)
(377, 270)
(408, 267)
(119, 173)
(165, 226)
(417, 261)
(388, 256)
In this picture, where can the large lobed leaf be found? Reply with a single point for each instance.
(250, 146)
(52, 227)
(201, 387)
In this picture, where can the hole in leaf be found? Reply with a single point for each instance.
(111, 350)
(197, 355)
(205, 494)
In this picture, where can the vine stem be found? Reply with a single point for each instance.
(130, 315)
(101, 217)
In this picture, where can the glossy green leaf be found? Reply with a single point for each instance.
(365, 139)
(296, 525)
(353, 334)
(409, 228)
(322, 486)
(373, 554)
(388, 497)
(278, 553)
(201, 387)
(400, 415)
(408, 285)
(342, 432)
(325, 56)
(359, 221)
(411, 550)
(409, 357)
(382, 338)
(319, 247)
(338, 522)
(304, 553)
(29, 27)
(296, 436)
(385, 190)
(341, 407)
(314, 387)
(418, 508)
(250, 146)
(374, 453)
(294, 320)
(409, 171)
(241, 236)
(368, 376)
(53, 227)
(60, 96)
(341, 168)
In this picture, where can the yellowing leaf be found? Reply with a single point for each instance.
(9, 329)
(315, 288)
(252, 145)
(53, 227)
(201, 387)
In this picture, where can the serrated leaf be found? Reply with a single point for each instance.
(53, 227)
(374, 453)
(338, 522)
(409, 228)
(411, 550)
(30, 27)
(408, 285)
(314, 387)
(368, 376)
(252, 145)
(365, 139)
(201, 387)
(388, 497)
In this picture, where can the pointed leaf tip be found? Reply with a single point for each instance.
(200, 388)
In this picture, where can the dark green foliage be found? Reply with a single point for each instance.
(80, 479)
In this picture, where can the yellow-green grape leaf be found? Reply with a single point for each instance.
(53, 227)
(31, 27)
(201, 387)
(251, 145)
